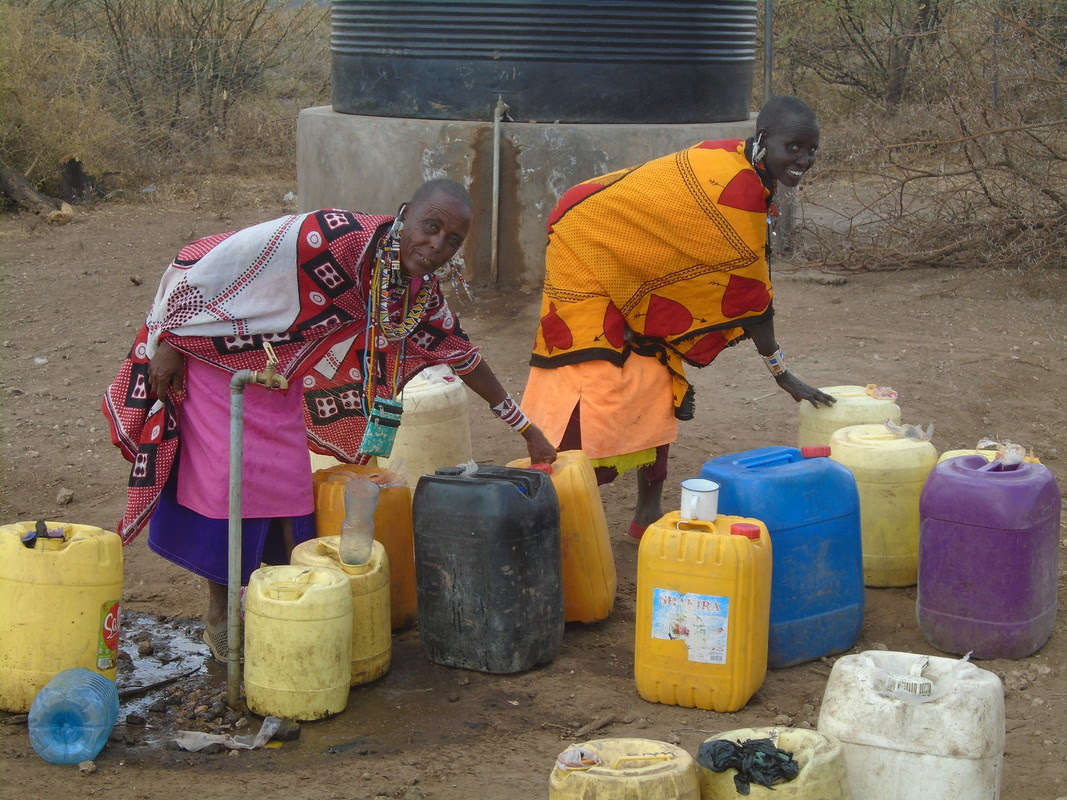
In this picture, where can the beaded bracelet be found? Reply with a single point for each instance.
(775, 363)
(508, 410)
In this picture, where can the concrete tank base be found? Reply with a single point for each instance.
(373, 164)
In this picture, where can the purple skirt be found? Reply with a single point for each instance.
(202, 545)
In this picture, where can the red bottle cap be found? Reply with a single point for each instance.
(751, 530)
(815, 451)
(545, 468)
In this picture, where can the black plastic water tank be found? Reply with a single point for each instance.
(628, 61)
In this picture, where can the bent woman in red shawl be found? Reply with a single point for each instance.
(352, 307)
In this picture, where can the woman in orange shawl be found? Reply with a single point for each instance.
(651, 268)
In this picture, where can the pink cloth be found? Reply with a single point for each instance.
(276, 480)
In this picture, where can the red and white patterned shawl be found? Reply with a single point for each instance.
(299, 282)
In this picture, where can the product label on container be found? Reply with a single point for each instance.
(107, 645)
(699, 620)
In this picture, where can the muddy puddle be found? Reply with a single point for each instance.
(169, 683)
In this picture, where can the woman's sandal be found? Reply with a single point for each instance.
(217, 640)
(635, 532)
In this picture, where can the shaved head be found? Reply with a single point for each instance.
(782, 109)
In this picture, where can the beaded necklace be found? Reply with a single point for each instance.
(389, 290)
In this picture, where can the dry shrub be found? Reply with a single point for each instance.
(966, 168)
(52, 92)
(146, 89)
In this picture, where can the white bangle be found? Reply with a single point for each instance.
(775, 362)
(512, 415)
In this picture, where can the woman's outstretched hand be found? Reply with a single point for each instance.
(799, 390)
(541, 451)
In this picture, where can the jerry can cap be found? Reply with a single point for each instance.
(747, 529)
(815, 451)
(542, 467)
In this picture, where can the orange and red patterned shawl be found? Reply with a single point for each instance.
(664, 258)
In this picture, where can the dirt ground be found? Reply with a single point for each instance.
(977, 354)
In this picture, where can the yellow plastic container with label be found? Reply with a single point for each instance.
(853, 407)
(59, 607)
(372, 641)
(627, 769)
(890, 473)
(392, 527)
(589, 578)
(703, 611)
(435, 428)
(820, 757)
(298, 642)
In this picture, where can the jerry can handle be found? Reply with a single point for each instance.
(783, 456)
(655, 757)
(695, 524)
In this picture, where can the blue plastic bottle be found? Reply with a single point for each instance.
(72, 716)
(811, 509)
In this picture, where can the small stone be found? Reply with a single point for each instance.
(288, 731)
(212, 749)
(64, 496)
(783, 721)
(145, 647)
(87, 767)
(158, 706)
(135, 719)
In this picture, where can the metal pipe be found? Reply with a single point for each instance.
(270, 380)
(494, 234)
(768, 36)
(233, 586)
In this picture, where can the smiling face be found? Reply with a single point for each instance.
(434, 228)
(791, 148)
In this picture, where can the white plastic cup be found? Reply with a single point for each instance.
(700, 499)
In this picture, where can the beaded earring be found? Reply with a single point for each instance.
(759, 150)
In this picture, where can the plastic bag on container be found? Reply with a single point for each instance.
(577, 757)
(881, 392)
(468, 469)
(906, 431)
(1008, 453)
(756, 761)
(915, 689)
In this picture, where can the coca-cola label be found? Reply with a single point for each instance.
(107, 646)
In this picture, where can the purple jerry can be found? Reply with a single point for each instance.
(988, 557)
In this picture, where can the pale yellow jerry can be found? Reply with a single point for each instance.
(59, 606)
(372, 640)
(298, 642)
(890, 473)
